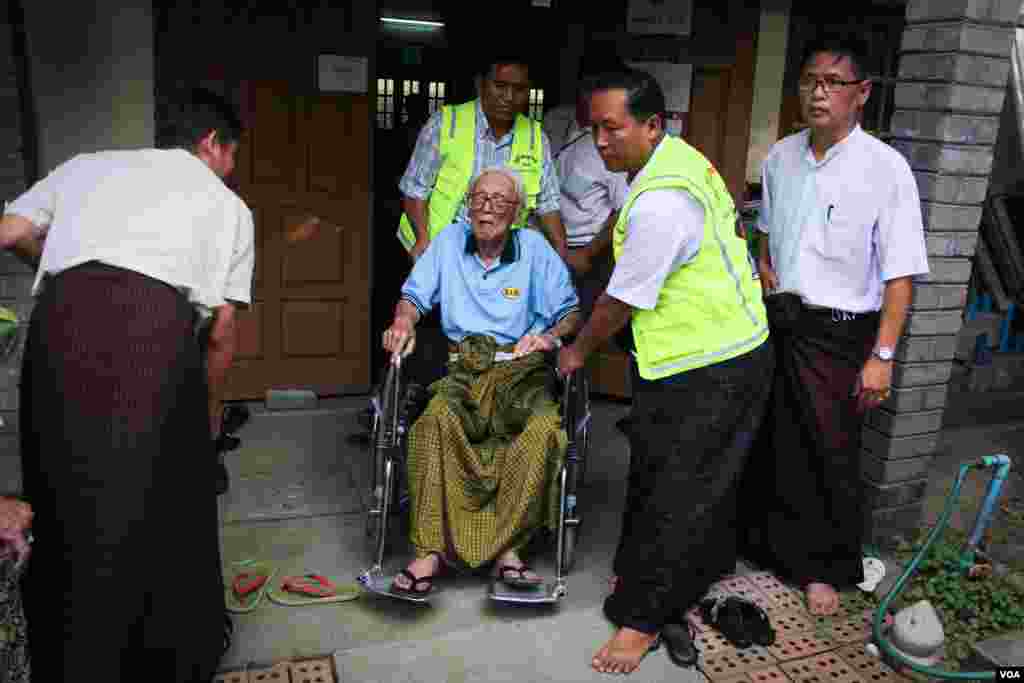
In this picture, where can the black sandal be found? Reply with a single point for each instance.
(679, 643)
(413, 582)
(759, 625)
(725, 614)
(519, 581)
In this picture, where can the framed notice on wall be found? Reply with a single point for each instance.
(339, 73)
(662, 17)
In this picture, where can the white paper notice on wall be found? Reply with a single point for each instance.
(673, 18)
(675, 80)
(339, 73)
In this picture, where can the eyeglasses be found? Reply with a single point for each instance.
(478, 200)
(829, 84)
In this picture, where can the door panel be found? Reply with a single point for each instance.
(708, 102)
(307, 156)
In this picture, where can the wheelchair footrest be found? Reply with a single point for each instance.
(380, 584)
(543, 594)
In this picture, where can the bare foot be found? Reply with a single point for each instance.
(622, 654)
(822, 599)
(420, 568)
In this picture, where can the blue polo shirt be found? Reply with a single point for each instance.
(527, 291)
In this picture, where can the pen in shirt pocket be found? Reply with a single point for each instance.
(828, 214)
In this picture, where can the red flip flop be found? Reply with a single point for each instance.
(312, 585)
(245, 583)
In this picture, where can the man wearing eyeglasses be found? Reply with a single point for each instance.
(460, 140)
(845, 239)
(480, 457)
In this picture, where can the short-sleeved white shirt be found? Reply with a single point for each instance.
(840, 227)
(162, 213)
(664, 231)
(589, 191)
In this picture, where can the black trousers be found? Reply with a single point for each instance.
(689, 442)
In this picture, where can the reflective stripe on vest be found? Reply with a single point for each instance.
(458, 151)
(709, 310)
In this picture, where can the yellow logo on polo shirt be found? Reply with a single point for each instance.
(510, 293)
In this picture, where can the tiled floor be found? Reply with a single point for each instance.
(316, 670)
(807, 649)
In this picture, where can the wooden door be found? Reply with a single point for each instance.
(305, 156)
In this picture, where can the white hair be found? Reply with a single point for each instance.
(511, 174)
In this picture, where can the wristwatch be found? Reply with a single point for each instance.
(884, 353)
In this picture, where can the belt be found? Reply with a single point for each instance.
(838, 314)
(499, 356)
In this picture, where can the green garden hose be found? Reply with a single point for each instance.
(999, 461)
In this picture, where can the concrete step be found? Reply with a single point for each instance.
(502, 650)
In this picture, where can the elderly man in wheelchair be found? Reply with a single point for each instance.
(483, 458)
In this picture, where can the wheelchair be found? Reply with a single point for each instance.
(391, 421)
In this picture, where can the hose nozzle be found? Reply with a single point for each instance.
(998, 460)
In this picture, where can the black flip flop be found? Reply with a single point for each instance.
(759, 626)
(679, 643)
(412, 591)
(519, 581)
(725, 614)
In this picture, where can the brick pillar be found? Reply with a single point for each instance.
(15, 278)
(953, 70)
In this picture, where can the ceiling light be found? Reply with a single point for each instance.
(421, 23)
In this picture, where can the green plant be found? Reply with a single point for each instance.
(971, 609)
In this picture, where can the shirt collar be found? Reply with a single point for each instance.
(643, 171)
(508, 255)
(833, 151)
(483, 126)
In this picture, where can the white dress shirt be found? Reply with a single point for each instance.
(840, 227)
(589, 191)
(162, 213)
(664, 231)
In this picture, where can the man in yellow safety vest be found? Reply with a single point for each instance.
(684, 288)
(460, 140)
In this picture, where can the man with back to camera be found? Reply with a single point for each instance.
(115, 431)
(844, 240)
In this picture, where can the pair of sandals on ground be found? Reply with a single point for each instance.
(742, 622)
(417, 580)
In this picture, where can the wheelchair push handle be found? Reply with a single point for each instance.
(407, 349)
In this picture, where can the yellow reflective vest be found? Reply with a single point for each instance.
(709, 310)
(458, 149)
